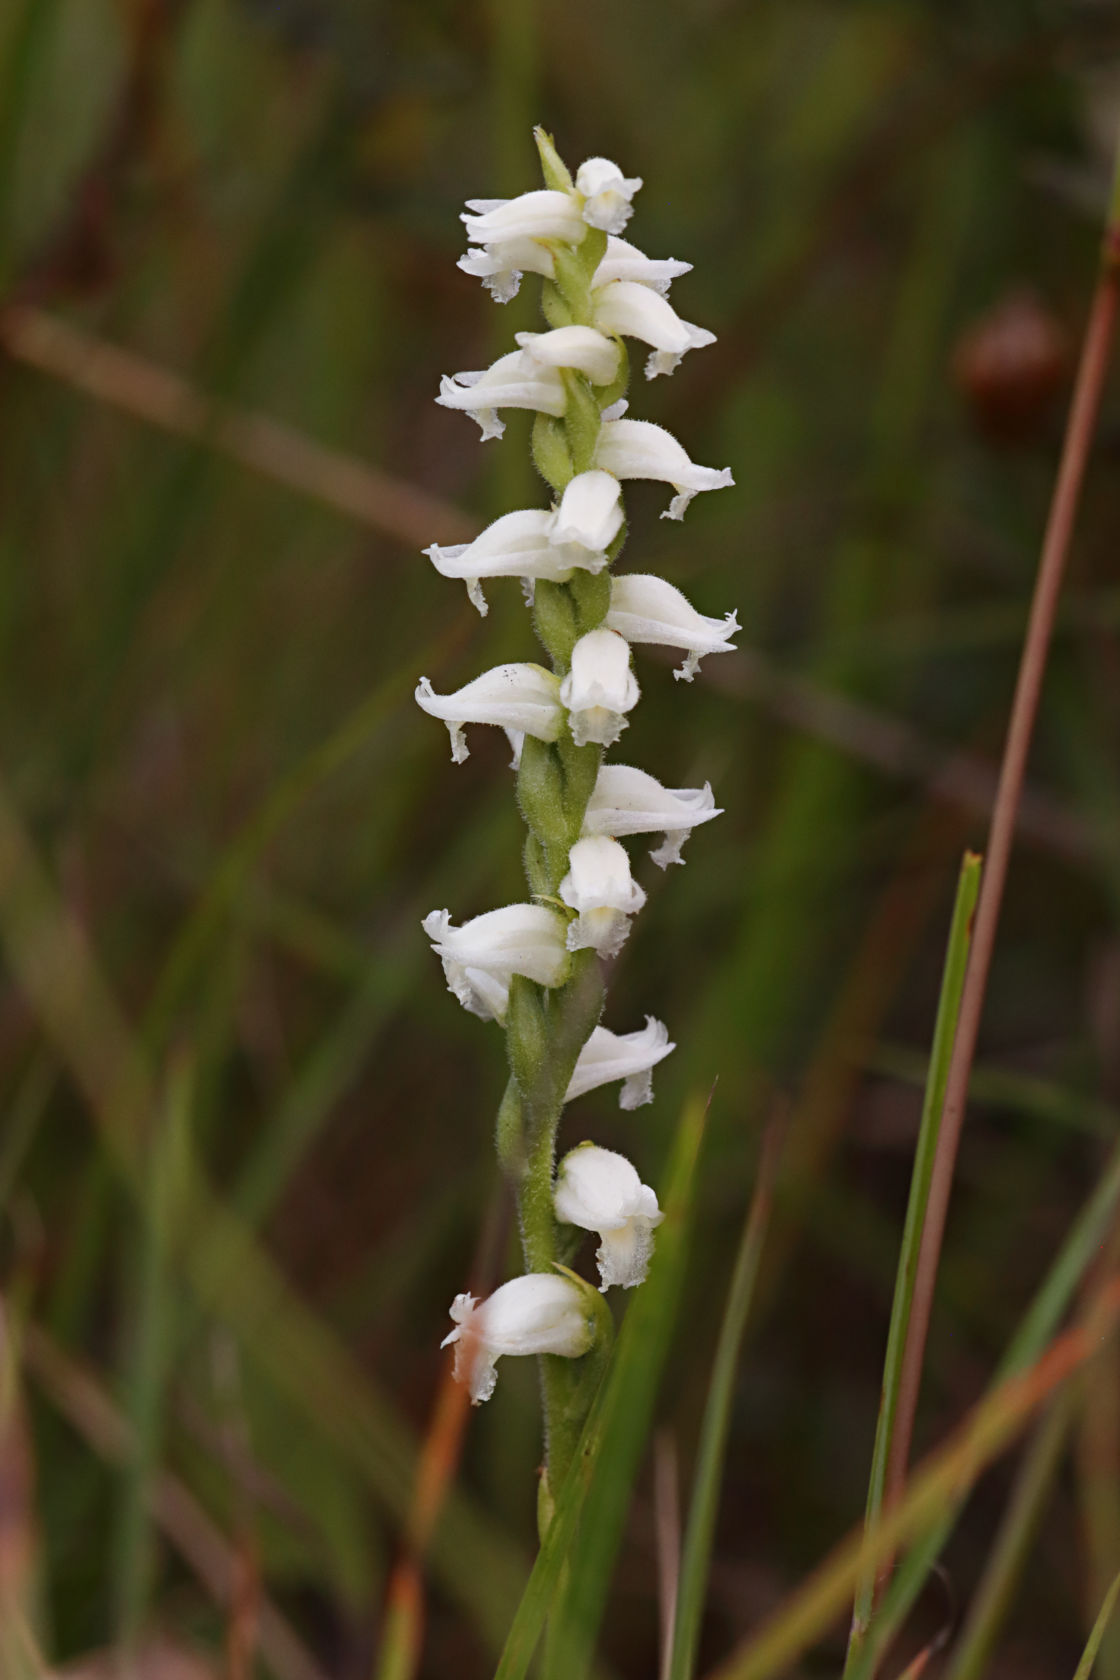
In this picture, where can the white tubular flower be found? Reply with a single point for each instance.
(541, 1312)
(599, 689)
(628, 801)
(601, 1191)
(645, 608)
(523, 544)
(600, 887)
(544, 214)
(590, 512)
(624, 261)
(634, 311)
(523, 698)
(480, 957)
(639, 449)
(513, 381)
(631, 1057)
(500, 266)
(607, 193)
(582, 348)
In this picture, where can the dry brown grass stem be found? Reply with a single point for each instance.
(165, 399)
(1055, 549)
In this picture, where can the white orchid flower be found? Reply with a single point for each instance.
(581, 348)
(522, 544)
(631, 1057)
(513, 381)
(600, 887)
(500, 266)
(625, 800)
(544, 214)
(639, 449)
(607, 193)
(590, 513)
(541, 1312)
(634, 311)
(601, 1191)
(645, 608)
(599, 689)
(517, 698)
(624, 261)
(480, 957)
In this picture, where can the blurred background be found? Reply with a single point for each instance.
(246, 1154)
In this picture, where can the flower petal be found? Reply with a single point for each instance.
(645, 608)
(634, 311)
(626, 800)
(581, 348)
(630, 1057)
(639, 449)
(624, 261)
(599, 688)
(607, 193)
(520, 697)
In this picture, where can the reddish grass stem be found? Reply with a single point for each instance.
(1055, 548)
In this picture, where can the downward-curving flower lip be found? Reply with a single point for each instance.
(639, 449)
(630, 1057)
(480, 958)
(645, 608)
(541, 1312)
(601, 1191)
(600, 887)
(521, 698)
(626, 800)
(634, 311)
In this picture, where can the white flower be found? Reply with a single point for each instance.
(590, 512)
(624, 261)
(639, 449)
(544, 214)
(525, 544)
(501, 265)
(513, 381)
(628, 801)
(645, 608)
(634, 311)
(599, 688)
(631, 1057)
(607, 193)
(480, 957)
(523, 698)
(541, 1312)
(601, 1191)
(582, 348)
(600, 887)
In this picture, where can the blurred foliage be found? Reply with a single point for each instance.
(263, 196)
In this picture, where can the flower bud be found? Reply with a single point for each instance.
(541, 1312)
(600, 1191)
(599, 689)
(631, 1057)
(599, 885)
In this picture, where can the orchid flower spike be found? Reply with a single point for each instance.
(600, 887)
(645, 608)
(606, 193)
(632, 310)
(480, 958)
(600, 1191)
(624, 261)
(625, 800)
(599, 689)
(521, 699)
(522, 544)
(631, 1057)
(639, 449)
(541, 1312)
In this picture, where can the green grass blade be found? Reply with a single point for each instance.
(1100, 1628)
(717, 1418)
(948, 1009)
(596, 1493)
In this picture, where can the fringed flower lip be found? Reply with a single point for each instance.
(626, 800)
(629, 1057)
(599, 689)
(645, 608)
(481, 957)
(601, 1191)
(601, 889)
(541, 1312)
(607, 194)
(522, 699)
(639, 449)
